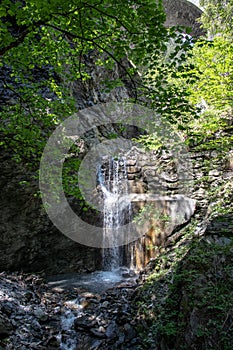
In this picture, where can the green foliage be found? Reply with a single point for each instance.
(195, 93)
(170, 100)
(222, 198)
(57, 33)
(46, 45)
(185, 299)
(210, 76)
(203, 293)
(157, 217)
(218, 16)
(28, 122)
(70, 177)
(208, 80)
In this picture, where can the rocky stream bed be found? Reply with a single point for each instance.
(39, 315)
(177, 302)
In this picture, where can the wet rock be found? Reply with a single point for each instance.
(88, 343)
(29, 295)
(129, 274)
(101, 329)
(36, 326)
(105, 304)
(97, 333)
(111, 331)
(7, 308)
(6, 327)
(57, 310)
(40, 315)
(130, 333)
(53, 343)
(120, 341)
(83, 323)
(96, 345)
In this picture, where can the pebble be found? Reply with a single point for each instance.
(105, 304)
(34, 316)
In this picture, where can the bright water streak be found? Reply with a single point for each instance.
(113, 180)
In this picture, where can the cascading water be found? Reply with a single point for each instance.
(113, 180)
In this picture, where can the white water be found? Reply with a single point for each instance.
(72, 310)
(113, 181)
(96, 282)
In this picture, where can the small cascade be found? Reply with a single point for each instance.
(68, 337)
(113, 180)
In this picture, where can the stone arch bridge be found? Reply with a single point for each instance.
(183, 13)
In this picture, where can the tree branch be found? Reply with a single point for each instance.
(113, 17)
(21, 38)
(82, 38)
(15, 43)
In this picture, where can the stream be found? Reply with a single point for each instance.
(60, 315)
(74, 311)
(89, 321)
(95, 282)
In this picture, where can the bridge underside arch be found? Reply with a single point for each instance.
(183, 13)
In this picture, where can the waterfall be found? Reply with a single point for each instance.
(113, 180)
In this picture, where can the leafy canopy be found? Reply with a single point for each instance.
(208, 81)
(217, 17)
(45, 45)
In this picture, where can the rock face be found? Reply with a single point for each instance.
(31, 242)
(28, 240)
(165, 216)
(184, 303)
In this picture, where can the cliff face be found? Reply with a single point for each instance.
(29, 241)
(185, 303)
(185, 298)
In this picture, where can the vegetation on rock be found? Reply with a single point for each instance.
(46, 47)
(218, 16)
(186, 302)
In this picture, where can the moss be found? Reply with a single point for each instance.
(188, 305)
